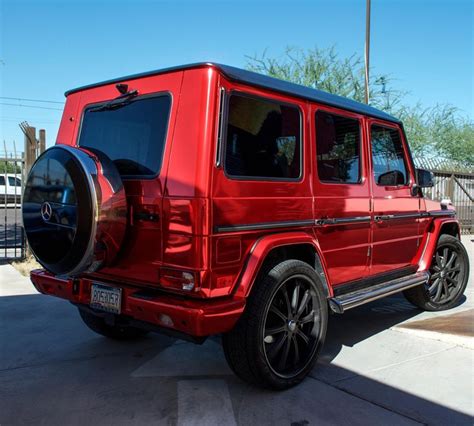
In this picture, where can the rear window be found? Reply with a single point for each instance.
(131, 135)
(263, 139)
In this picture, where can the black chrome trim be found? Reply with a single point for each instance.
(266, 225)
(329, 221)
(341, 220)
(292, 224)
(221, 126)
(398, 216)
(437, 213)
(384, 217)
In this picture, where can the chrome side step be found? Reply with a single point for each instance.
(342, 303)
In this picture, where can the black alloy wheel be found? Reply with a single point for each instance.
(292, 327)
(446, 274)
(276, 341)
(449, 272)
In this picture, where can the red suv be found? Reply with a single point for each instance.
(206, 199)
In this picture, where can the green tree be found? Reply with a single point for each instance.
(9, 167)
(436, 131)
(440, 130)
(324, 69)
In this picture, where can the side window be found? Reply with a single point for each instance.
(2, 180)
(337, 148)
(263, 139)
(14, 181)
(388, 157)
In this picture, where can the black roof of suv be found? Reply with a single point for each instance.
(264, 81)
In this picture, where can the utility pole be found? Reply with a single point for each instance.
(30, 149)
(42, 141)
(367, 50)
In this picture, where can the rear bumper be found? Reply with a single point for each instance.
(198, 318)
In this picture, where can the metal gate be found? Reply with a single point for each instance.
(459, 188)
(454, 183)
(12, 237)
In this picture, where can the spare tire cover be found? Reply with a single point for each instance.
(74, 210)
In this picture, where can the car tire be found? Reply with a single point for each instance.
(449, 271)
(117, 332)
(276, 342)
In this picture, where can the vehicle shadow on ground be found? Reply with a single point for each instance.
(361, 323)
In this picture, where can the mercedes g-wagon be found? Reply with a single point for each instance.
(205, 199)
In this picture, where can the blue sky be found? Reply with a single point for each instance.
(47, 47)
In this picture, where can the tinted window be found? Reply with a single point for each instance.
(2, 180)
(388, 157)
(132, 135)
(14, 181)
(263, 139)
(337, 148)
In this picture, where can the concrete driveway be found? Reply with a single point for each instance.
(377, 368)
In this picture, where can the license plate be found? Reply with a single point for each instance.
(106, 298)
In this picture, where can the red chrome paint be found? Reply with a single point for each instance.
(192, 196)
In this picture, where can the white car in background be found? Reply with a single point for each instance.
(10, 188)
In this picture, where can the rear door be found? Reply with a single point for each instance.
(260, 186)
(396, 212)
(341, 193)
(137, 137)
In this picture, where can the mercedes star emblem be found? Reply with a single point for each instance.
(46, 211)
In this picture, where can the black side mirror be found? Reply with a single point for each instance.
(424, 178)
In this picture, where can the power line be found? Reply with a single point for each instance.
(16, 120)
(30, 106)
(31, 100)
(17, 117)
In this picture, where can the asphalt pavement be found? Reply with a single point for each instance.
(383, 363)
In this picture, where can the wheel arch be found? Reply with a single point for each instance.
(451, 228)
(272, 249)
(437, 228)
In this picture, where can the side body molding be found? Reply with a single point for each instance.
(264, 245)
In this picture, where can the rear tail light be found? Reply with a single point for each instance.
(179, 280)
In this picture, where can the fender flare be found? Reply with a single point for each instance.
(431, 240)
(264, 245)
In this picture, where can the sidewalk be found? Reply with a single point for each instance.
(374, 370)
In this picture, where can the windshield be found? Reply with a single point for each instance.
(131, 135)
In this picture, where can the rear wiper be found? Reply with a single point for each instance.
(118, 102)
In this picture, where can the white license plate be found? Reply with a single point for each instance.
(106, 298)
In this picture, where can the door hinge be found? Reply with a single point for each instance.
(369, 251)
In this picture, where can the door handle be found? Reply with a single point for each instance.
(146, 216)
(325, 221)
(383, 217)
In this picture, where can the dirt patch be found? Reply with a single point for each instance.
(461, 324)
(24, 267)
